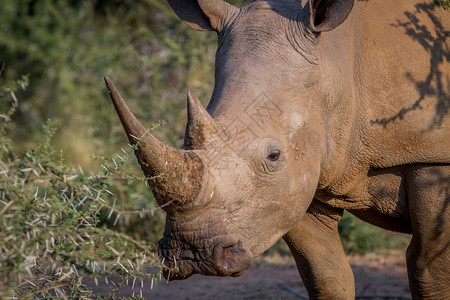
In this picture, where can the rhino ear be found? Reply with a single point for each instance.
(203, 15)
(326, 15)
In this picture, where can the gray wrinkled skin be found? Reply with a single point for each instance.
(317, 107)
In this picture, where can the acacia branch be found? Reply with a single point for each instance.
(46, 289)
(6, 207)
(129, 239)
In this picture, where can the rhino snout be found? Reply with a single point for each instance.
(225, 257)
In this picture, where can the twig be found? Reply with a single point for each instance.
(6, 207)
(61, 293)
(130, 212)
(129, 239)
(46, 290)
(126, 212)
(2, 68)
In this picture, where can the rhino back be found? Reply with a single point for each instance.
(403, 80)
(389, 65)
(396, 57)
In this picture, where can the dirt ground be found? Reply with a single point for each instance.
(377, 277)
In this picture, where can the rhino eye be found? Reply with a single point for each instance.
(274, 155)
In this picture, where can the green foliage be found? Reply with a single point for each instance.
(443, 3)
(359, 237)
(67, 47)
(51, 232)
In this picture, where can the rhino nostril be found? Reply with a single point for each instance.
(232, 259)
(228, 252)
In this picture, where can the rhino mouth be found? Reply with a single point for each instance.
(223, 256)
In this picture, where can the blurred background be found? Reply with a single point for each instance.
(66, 47)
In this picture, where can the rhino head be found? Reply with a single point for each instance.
(251, 160)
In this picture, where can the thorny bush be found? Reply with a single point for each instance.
(53, 227)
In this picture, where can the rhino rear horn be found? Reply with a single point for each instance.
(175, 176)
(201, 129)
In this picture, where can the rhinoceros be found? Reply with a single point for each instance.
(318, 107)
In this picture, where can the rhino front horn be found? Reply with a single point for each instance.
(175, 176)
(201, 129)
